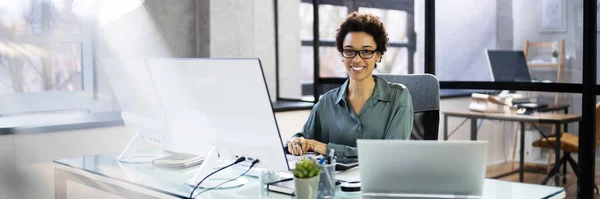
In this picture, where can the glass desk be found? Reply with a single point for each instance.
(105, 173)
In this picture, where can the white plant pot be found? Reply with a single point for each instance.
(554, 60)
(307, 188)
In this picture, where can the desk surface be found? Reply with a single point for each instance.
(170, 182)
(536, 117)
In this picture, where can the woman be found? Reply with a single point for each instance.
(365, 106)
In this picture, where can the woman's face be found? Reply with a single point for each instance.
(359, 55)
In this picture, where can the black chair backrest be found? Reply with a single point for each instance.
(425, 92)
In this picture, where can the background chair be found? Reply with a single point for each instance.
(569, 143)
(425, 92)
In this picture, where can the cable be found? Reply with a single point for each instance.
(252, 165)
(240, 159)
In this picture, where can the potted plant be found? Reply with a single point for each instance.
(554, 57)
(555, 49)
(306, 179)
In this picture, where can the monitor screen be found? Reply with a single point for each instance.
(224, 97)
(138, 100)
(508, 66)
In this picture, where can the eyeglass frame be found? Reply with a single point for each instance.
(357, 52)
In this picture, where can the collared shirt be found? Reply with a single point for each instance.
(387, 114)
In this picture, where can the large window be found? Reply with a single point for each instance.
(398, 17)
(330, 17)
(46, 57)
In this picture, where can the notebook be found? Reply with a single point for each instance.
(285, 186)
(179, 160)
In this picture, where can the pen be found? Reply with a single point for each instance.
(330, 156)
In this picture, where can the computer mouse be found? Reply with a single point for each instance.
(350, 186)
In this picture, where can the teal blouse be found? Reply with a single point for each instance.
(387, 114)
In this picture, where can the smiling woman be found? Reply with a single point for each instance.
(365, 106)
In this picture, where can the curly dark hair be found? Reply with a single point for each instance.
(370, 24)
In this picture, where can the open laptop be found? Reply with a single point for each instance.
(422, 169)
(508, 66)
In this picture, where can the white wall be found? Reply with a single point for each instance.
(525, 15)
(290, 78)
(463, 31)
(158, 29)
(244, 29)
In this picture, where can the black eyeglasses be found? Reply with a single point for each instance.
(365, 54)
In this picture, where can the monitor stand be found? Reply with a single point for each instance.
(131, 155)
(210, 162)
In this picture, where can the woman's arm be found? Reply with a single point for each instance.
(308, 131)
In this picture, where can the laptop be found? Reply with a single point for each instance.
(508, 66)
(422, 169)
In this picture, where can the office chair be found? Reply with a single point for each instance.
(569, 144)
(425, 92)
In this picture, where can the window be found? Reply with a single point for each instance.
(330, 18)
(396, 59)
(398, 17)
(46, 57)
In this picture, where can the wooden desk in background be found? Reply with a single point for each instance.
(544, 118)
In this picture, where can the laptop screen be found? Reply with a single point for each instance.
(508, 66)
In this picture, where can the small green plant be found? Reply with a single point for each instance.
(306, 168)
(554, 54)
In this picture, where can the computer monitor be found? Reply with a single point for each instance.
(508, 66)
(140, 107)
(228, 97)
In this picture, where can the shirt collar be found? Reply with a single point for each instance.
(342, 92)
(382, 90)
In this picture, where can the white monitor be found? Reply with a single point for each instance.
(227, 98)
(140, 107)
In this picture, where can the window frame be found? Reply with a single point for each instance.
(353, 5)
(50, 101)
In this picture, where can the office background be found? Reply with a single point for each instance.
(75, 85)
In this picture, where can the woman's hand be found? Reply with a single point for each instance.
(298, 146)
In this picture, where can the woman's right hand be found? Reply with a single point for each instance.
(298, 146)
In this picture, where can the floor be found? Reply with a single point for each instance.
(571, 185)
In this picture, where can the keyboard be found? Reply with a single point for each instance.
(346, 163)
